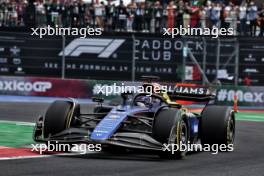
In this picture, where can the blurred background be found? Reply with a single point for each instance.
(132, 45)
(245, 16)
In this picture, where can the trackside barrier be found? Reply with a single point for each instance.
(128, 56)
(55, 87)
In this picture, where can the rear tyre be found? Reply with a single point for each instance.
(217, 125)
(171, 128)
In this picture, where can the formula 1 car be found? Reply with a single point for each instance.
(141, 121)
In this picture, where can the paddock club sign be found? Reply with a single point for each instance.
(163, 50)
(161, 57)
(148, 50)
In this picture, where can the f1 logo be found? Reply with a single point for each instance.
(104, 47)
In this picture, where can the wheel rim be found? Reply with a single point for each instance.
(231, 131)
(183, 133)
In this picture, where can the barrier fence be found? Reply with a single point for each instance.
(236, 61)
(77, 88)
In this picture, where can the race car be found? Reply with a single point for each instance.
(142, 121)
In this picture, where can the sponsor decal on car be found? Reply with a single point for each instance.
(191, 90)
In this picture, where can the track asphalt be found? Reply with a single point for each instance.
(247, 159)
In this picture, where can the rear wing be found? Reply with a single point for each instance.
(192, 93)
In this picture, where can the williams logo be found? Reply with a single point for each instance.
(191, 90)
(104, 47)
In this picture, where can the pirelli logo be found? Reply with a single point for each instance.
(103, 47)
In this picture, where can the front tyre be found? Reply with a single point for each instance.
(59, 117)
(171, 128)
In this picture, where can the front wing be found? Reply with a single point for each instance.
(123, 139)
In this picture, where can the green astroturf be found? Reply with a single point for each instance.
(15, 134)
(250, 116)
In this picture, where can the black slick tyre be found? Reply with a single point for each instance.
(217, 125)
(170, 128)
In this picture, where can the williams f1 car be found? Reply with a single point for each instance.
(141, 121)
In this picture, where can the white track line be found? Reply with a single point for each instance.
(23, 157)
(40, 156)
(18, 122)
